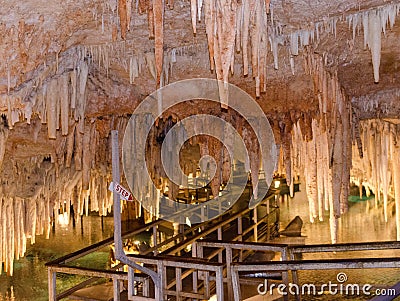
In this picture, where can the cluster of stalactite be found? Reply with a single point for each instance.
(76, 174)
(249, 27)
(134, 62)
(378, 170)
(59, 88)
(318, 145)
(58, 91)
(374, 23)
(155, 13)
(234, 26)
(159, 182)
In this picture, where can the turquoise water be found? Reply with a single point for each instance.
(29, 281)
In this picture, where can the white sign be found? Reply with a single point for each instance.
(124, 193)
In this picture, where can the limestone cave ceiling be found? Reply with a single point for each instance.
(70, 71)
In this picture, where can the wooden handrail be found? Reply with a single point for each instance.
(316, 264)
(342, 247)
(99, 245)
(242, 244)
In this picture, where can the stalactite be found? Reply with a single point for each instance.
(251, 142)
(320, 169)
(73, 76)
(122, 12)
(128, 14)
(86, 158)
(158, 11)
(374, 42)
(78, 149)
(81, 95)
(378, 169)
(245, 36)
(311, 178)
(396, 177)
(51, 108)
(193, 11)
(150, 61)
(64, 102)
(70, 147)
(385, 173)
(3, 139)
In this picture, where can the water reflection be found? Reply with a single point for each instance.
(363, 223)
(29, 281)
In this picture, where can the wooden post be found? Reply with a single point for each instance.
(155, 239)
(146, 287)
(206, 282)
(194, 275)
(52, 285)
(178, 278)
(219, 279)
(117, 204)
(159, 291)
(220, 238)
(285, 275)
(236, 285)
(295, 279)
(116, 288)
(131, 282)
(255, 220)
(240, 233)
(240, 228)
(228, 272)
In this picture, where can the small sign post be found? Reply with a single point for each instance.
(123, 192)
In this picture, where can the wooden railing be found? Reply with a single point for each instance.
(201, 270)
(228, 249)
(184, 239)
(292, 266)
